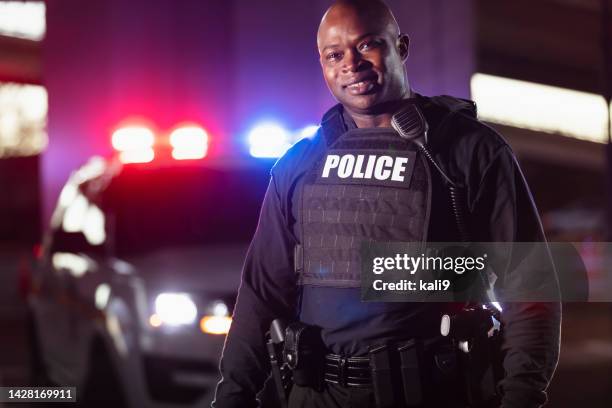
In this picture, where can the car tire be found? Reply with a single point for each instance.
(102, 387)
(37, 370)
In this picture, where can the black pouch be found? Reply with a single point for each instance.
(411, 368)
(304, 354)
(430, 373)
(383, 366)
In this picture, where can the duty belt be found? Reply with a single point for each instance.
(348, 371)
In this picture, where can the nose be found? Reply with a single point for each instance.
(352, 60)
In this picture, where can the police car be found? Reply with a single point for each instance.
(134, 289)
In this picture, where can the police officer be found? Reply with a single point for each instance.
(303, 262)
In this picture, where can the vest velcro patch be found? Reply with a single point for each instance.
(367, 167)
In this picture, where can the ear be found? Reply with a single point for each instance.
(403, 43)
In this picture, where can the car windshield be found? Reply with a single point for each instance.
(168, 207)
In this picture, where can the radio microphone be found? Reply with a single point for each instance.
(410, 124)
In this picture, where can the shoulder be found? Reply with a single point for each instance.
(459, 138)
(297, 160)
(471, 138)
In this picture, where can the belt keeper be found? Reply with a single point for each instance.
(342, 371)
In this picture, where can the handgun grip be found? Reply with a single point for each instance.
(277, 331)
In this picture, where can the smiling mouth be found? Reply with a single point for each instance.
(362, 87)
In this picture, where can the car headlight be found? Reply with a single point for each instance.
(218, 320)
(174, 309)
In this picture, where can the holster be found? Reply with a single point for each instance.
(281, 375)
(303, 353)
(483, 369)
(474, 333)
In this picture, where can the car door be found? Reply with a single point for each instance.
(72, 262)
(53, 302)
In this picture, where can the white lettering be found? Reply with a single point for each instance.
(345, 168)
(398, 168)
(415, 264)
(370, 166)
(378, 269)
(330, 163)
(380, 173)
(358, 165)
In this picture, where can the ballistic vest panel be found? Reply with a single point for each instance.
(343, 209)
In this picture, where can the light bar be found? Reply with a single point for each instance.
(134, 143)
(268, 140)
(137, 156)
(540, 107)
(132, 138)
(189, 142)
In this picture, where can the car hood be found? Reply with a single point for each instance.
(211, 268)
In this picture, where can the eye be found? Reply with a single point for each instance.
(368, 45)
(333, 56)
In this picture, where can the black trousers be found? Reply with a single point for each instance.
(336, 396)
(332, 396)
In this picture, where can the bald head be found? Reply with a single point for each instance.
(375, 11)
(362, 55)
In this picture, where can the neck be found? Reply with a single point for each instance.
(380, 116)
(370, 120)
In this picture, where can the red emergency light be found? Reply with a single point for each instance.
(138, 143)
(134, 144)
(189, 142)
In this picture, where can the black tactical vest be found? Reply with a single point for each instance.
(369, 186)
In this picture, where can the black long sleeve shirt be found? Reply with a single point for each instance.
(498, 198)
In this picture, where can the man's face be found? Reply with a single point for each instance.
(362, 61)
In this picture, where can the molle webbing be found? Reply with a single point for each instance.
(340, 215)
